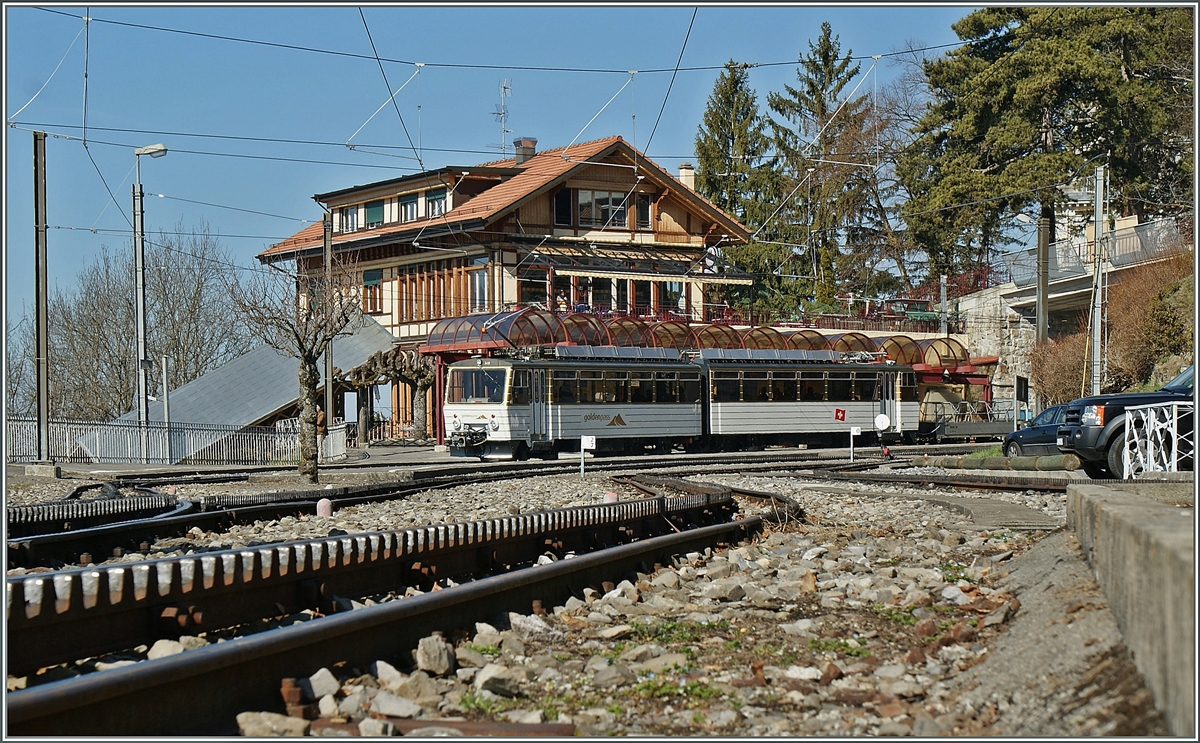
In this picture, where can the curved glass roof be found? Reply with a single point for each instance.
(529, 326)
(718, 336)
(763, 338)
(851, 342)
(629, 331)
(807, 339)
(901, 349)
(585, 329)
(943, 352)
(672, 334)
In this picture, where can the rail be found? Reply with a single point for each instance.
(1154, 441)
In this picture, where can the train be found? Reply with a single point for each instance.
(630, 400)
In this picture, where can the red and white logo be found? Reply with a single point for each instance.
(839, 414)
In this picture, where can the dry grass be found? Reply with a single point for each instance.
(1149, 318)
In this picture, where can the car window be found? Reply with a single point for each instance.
(1043, 418)
(1061, 417)
(1182, 383)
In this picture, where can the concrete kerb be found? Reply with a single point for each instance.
(1143, 554)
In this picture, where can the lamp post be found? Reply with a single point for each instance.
(143, 364)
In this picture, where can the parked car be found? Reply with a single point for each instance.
(1094, 429)
(1040, 436)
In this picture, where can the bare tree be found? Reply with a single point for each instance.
(20, 372)
(92, 326)
(299, 315)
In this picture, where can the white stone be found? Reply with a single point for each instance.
(390, 705)
(319, 684)
(387, 674)
(164, 648)
(807, 673)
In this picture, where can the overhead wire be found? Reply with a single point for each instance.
(392, 98)
(670, 85)
(52, 74)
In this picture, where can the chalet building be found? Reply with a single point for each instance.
(593, 224)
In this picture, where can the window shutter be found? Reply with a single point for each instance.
(372, 277)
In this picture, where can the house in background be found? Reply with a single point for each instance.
(593, 226)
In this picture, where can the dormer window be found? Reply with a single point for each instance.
(435, 202)
(408, 208)
(601, 209)
(374, 213)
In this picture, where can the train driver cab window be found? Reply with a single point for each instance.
(755, 386)
(864, 385)
(908, 387)
(726, 386)
(520, 389)
(641, 387)
(812, 386)
(783, 386)
(839, 386)
(562, 384)
(689, 387)
(475, 386)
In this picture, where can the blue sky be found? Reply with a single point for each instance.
(187, 84)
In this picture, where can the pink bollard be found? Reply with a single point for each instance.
(610, 497)
(325, 508)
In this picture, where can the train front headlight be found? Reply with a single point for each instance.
(456, 423)
(494, 424)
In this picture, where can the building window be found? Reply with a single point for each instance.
(601, 209)
(374, 214)
(562, 207)
(408, 208)
(435, 203)
(349, 218)
(643, 211)
(479, 285)
(373, 291)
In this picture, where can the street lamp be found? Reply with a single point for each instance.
(143, 364)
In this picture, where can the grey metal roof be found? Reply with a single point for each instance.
(261, 382)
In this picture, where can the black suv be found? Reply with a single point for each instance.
(1095, 426)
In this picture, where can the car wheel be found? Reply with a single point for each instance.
(1114, 458)
(1012, 449)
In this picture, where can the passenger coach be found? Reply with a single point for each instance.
(634, 399)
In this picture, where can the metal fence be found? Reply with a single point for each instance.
(1158, 438)
(156, 442)
(333, 444)
(1073, 258)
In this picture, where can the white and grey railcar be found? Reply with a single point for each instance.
(631, 399)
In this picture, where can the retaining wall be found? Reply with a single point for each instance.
(1140, 544)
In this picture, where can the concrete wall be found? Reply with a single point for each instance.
(1143, 554)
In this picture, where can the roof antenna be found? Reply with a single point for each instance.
(501, 113)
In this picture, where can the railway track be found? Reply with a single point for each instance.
(83, 613)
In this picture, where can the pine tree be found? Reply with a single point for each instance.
(820, 129)
(1030, 100)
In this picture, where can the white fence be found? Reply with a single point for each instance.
(157, 443)
(1158, 438)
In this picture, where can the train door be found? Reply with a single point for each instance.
(537, 408)
(887, 399)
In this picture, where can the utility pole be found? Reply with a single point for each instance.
(327, 223)
(945, 325)
(41, 315)
(1097, 282)
(1042, 320)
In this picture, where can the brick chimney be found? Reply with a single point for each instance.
(526, 148)
(687, 176)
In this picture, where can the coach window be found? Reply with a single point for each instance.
(864, 385)
(812, 386)
(616, 387)
(839, 386)
(666, 387)
(726, 387)
(755, 386)
(783, 386)
(641, 387)
(908, 387)
(520, 388)
(689, 387)
(563, 386)
(591, 386)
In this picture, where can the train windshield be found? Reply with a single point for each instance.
(475, 385)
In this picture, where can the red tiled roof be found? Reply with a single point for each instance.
(538, 171)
